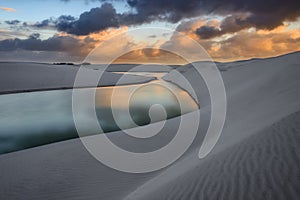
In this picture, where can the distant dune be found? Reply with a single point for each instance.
(134, 67)
(26, 77)
(257, 156)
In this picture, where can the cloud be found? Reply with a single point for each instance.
(244, 44)
(79, 35)
(150, 55)
(115, 42)
(101, 18)
(95, 20)
(74, 46)
(238, 22)
(7, 9)
(5, 34)
(262, 14)
(230, 24)
(55, 43)
(259, 15)
(12, 22)
(44, 23)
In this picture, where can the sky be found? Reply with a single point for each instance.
(94, 30)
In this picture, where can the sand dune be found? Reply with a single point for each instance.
(25, 77)
(263, 166)
(260, 93)
(133, 67)
(257, 156)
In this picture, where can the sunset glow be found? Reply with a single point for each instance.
(248, 31)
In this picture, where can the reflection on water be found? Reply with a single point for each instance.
(37, 118)
(133, 102)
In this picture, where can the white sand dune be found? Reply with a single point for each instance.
(257, 156)
(260, 93)
(264, 166)
(24, 77)
(133, 67)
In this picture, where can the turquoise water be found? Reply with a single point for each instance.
(38, 118)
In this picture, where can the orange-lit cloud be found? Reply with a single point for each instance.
(90, 42)
(8, 9)
(106, 34)
(119, 46)
(243, 44)
(150, 55)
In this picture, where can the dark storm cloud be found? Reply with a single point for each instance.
(97, 19)
(262, 15)
(65, 22)
(235, 23)
(268, 13)
(12, 22)
(167, 10)
(230, 24)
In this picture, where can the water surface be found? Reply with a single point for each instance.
(37, 118)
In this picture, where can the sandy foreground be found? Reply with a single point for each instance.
(257, 156)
